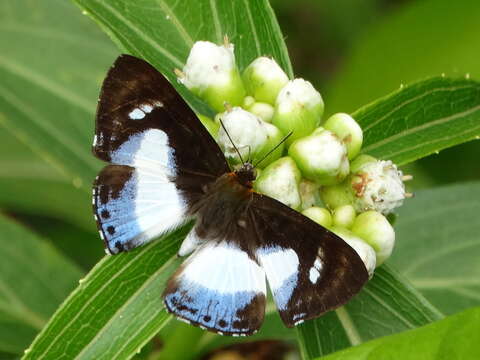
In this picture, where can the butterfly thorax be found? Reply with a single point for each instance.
(225, 202)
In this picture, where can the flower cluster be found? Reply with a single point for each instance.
(318, 170)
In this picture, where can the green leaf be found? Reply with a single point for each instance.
(116, 308)
(163, 32)
(455, 337)
(48, 93)
(34, 279)
(438, 245)
(421, 119)
(386, 305)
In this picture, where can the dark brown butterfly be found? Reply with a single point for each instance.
(165, 170)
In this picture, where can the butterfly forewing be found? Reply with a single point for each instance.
(136, 100)
(164, 156)
(129, 203)
(309, 269)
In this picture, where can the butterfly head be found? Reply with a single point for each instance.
(246, 174)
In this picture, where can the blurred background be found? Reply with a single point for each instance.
(53, 59)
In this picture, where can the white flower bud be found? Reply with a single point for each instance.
(211, 73)
(280, 181)
(321, 157)
(375, 229)
(378, 186)
(320, 215)
(365, 251)
(348, 130)
(344, 216)
(309, 193)
(247, 132)
(262, 110)
(298, 108)
(263, 79)
(209, 124)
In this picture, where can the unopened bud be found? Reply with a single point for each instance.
(348, 130)
(375, 229)
(320, 215)
(265, 155)
(263, 110)
(334, 196)
(298, 109)
(247, 102)
(359, 161)
(364, 250)
(321, 157)
(344, 216)
(247, 132)
(309, 193)
(211, 74)
(263, 79)
(280, 181)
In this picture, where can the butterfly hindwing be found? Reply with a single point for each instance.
(220, 288)
(309, 269)
(162, 156)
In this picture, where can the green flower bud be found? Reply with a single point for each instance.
(280, 180)
(309, 193)
(209, 124)
(344, 216)
(262, 110)
(298, 108)
(375, 229)
(263, 79)
(320, 215)
(348, 130)
(274, 137)
(377, 186)
(247, 102)
(334, 196)
(321, 157)
(249, 134)
(211, 74)
(359, 161)
(364, 250)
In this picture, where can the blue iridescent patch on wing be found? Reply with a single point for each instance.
(281, 267)
(220, 288)
(133, 206)
(212, 309)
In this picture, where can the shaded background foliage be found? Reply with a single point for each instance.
(52, 62)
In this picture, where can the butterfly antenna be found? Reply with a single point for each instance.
(233, 144)
(274, 148)
(249, 153)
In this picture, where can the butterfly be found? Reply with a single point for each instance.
(165, 170)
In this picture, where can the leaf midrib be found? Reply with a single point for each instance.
(126, 304)
(409, 101)
(177, 62)
(420, 128)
